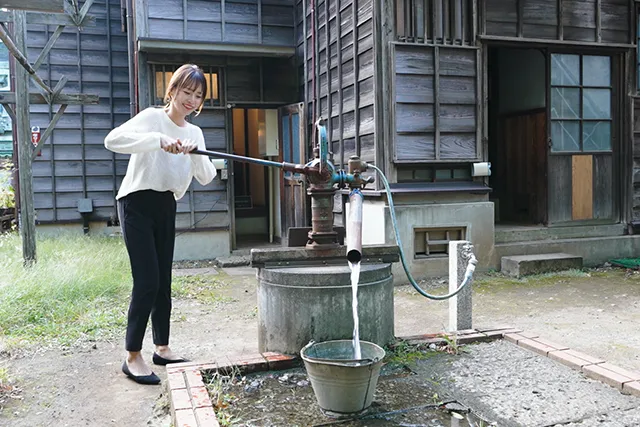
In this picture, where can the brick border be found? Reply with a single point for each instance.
(188, 396)
(192, 407)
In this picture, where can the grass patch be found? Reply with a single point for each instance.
(78, 290)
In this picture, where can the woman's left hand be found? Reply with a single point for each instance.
(187, 145)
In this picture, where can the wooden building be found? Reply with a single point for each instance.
(544, 90)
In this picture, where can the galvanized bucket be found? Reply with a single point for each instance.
(342, 384)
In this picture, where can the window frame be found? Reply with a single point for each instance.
(581, 87)
(211, 70)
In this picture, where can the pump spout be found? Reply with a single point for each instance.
(354, 226)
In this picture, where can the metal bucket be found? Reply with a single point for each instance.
(342, 385)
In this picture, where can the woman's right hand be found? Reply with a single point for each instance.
(170, 145)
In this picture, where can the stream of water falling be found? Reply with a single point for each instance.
(355, 278)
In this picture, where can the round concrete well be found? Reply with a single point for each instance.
(300, 304)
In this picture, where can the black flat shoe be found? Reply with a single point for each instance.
(159, 360)
(152, 379)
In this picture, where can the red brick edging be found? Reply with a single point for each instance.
(192, 407)
(189, 398)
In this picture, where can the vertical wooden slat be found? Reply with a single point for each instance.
(520, 16)
(328, 68)
(52, 147)
(598, 20)
(482, 22)
(340, 85)
(457, 28)
(223, 18)
(479, 104)
(261, 74)
(603, 189)
(436, 101)
(437, 21)
(399, 11)
(426, 20)
(184, 19)
(560, 6)
(305, 62)
(474, 21)
(582, 187)
(114, 173)
(356, 76)
(465, 21)
(82, 132)
(259, 21)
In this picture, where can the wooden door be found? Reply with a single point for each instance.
(293, 150)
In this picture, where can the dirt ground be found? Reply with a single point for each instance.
(596, 314)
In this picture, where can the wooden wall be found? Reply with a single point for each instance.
(74, 163)
(338, 72)
(636, 159)
(435, 98)
(269, 22)
(601, 21)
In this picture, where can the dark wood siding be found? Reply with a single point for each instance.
(601, 21)
(636, 159)
(74, 163)
(339, 63)
(269, 22)
(435, 90)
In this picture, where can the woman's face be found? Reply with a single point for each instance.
(187, 99)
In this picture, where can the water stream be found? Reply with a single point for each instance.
(355, 278)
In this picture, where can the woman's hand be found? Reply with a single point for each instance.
(187, 145)
(170, 145)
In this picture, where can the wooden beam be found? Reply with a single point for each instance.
(63, 98)
(11, 113)
(50, 128)
(436, 101)
(17, 53)
(520, 17)
(50, 19)
(54, 6)
(598, 21)
(560, 20)
(45, 51)
(236, 49)
(545, 42)
(25, 147)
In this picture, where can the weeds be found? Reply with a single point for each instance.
(403, 353)
(218, 385)
(76, 291)
(7, 389)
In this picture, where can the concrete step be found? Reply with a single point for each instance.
(233, 261)
(512, 234)
(524, 265)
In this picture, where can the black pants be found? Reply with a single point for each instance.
(147, 219)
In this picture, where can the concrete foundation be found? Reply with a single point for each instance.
(476, 218)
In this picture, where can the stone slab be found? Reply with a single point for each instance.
(525, 265)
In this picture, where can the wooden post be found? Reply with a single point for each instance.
(25, 149)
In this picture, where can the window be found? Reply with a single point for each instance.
(434, 173)
(161, 75)
(437, 22)
(434, 242)
(580, 103)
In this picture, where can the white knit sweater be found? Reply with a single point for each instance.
(150, 167)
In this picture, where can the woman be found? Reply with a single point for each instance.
(159, 173)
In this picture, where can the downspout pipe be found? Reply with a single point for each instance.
(354, 226)
(131, 38)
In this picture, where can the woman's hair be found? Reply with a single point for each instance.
(188, 76)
